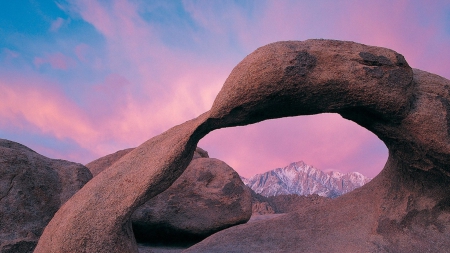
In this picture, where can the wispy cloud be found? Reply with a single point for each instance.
(25, 102)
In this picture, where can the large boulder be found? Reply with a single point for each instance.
(208, 197)
(32, 188)
(406, 208)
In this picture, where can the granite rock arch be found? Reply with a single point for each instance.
(409, 110)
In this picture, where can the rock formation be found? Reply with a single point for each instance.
(32, 188)
(261, 204)
(404, 209)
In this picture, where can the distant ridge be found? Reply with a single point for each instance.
(302, 179)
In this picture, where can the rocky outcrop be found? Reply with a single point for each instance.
(208, 197)
(404, 209)
(260, 204)
(32, 188)
(302, 179)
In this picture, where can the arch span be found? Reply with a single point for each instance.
(409, 110)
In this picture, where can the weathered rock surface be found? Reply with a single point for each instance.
(32, 188)
(208, 197)
(404, 209)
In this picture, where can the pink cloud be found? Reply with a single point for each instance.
(94, 13)
(29, 102)
(166, 87)
(129, 119)
(56, 61)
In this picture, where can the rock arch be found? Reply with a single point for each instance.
(409, 110)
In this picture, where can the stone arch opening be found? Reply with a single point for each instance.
(405, 209)
(325, 141)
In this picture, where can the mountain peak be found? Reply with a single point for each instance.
(302, 179)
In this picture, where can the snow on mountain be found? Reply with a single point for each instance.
(302, 179)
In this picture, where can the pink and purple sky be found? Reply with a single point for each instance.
(81, 79)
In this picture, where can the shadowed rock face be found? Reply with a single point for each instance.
(404, 209)
(32, 188)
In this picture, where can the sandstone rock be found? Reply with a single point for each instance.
(32, 188)
(209, 196)
(404, 209)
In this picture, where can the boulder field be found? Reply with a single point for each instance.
(406, 208)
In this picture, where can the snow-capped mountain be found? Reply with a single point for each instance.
(302, 179)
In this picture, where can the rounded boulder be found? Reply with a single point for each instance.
(208, 197)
